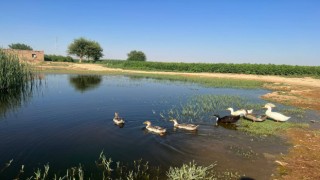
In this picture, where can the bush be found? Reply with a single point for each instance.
(58, 58)
(136, 56)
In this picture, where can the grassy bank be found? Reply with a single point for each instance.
(257, 69)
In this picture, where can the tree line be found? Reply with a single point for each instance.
(84, 49)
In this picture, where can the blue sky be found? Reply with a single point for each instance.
(230, 31)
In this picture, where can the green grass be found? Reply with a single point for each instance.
(204, 81)
(268, 127)
(258, 69)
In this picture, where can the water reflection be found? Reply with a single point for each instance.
(13, 98)
(84, 83)
(228, 126)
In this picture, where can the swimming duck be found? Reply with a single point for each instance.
(241, 112)
(254, 118)
(155, 129)
(190, 127)
(275, 115)
(118, 120)
(226, 119)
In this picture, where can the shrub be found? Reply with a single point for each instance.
(58, 58)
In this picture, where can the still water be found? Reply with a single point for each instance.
(69, 122)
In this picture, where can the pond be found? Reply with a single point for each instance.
(69, 122)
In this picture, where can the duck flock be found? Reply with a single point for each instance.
(232, 118)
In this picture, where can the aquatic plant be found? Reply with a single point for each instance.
(201, 108)
(17, 82)
(190, 171)
(13, 73)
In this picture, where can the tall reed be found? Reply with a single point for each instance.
(17, 81)
(13, 73)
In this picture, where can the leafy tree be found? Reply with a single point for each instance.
(20, 46)
(85, 48)
(136, 56)
(94, 51)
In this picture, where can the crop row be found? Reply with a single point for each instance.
(258, 69)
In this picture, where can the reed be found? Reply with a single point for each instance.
(17, 82)
(13, 73)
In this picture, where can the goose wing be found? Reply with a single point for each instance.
(277, 116)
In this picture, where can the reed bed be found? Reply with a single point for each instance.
(17, 82)
(13, 73)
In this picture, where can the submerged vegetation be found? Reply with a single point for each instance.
(258, 69)
(201, 108)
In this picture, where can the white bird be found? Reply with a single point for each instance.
(241, 112)
(190, 127)
(117, 120)
(275, 115)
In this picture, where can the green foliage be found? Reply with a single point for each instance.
(13, 73)
(190, 171)
(17, 81)
(258, 69)
(20, 46)
(268, 127)
(58, 58)
(136, 56)
(85, 48)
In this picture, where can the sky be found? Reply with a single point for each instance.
(209, 31)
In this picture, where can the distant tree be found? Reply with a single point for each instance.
(20, 46)
(85, 48)
(136, 56)
(94, 51)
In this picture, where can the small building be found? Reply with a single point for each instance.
(26, 55)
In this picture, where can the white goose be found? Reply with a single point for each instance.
(241, 112)
(275, 115)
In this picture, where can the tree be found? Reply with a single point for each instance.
(94, 51)
(136, 56)
(20, 46)
(85, 48)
